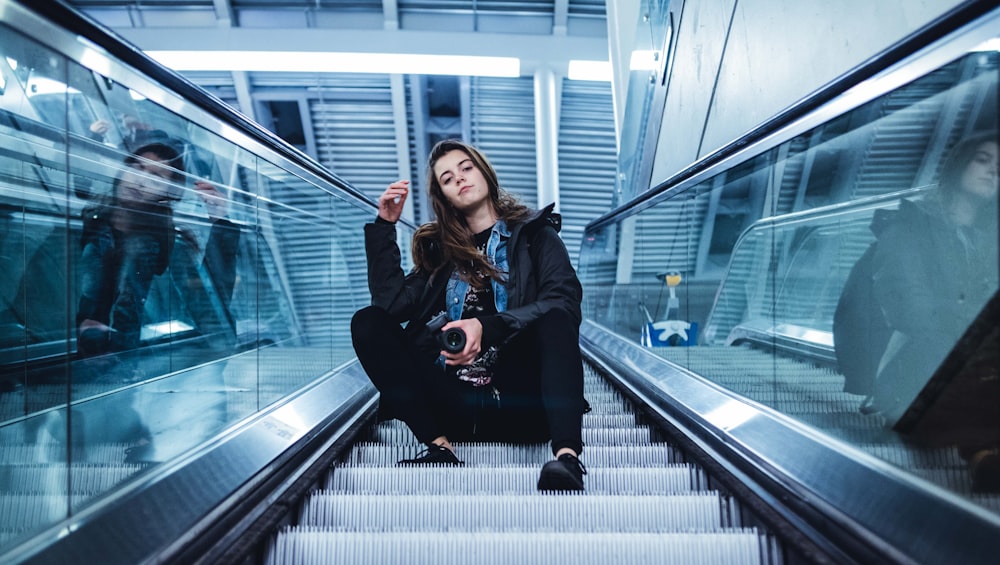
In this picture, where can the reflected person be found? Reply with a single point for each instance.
(132, 134)
(128, 238)
(500, 273)
(935, 267)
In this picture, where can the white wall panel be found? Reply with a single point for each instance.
(700, 41)
(777, 52)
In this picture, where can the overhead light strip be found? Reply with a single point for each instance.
(589, 70)
(326, 62)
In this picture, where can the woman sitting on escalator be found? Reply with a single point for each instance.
(500, 273)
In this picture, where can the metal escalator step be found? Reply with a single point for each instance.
(307, 546)
(848, 421)
(55, 479)
(911, 457)
(591, 436)
(599, 395)
(955, 479)
(807, 404)
(857, 436)
(24, 512)
(501, 480)
(590, 420)
(507, 513)
(52, 452)
(610, 406)
(509, 455)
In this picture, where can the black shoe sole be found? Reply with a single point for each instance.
(557, 477)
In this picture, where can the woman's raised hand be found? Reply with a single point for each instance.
(390, 204)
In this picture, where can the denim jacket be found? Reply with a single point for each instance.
(496, 253)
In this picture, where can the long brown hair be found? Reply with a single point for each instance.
(954, 165)
(450, 231)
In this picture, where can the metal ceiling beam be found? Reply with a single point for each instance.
(390, 8)
(244, 95)
(224, 13)
(560, 17)
(535, 52)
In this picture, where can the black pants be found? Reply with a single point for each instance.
(536, 393)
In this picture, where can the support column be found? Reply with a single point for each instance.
(547, 136)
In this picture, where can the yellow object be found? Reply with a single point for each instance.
(673, 279)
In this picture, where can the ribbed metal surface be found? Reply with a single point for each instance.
(641, 504)
(588, 157)
(503, 127)
(369, 454)
(355, 131)
(598, 513)
(304, 546)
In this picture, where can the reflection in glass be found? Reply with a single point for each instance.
(833, 275)
(644, 96)
(161, 282)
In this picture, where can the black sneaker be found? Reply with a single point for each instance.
(985, 469)
(565, 473)
(433, 455)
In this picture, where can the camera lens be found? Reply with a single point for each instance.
(454, 340)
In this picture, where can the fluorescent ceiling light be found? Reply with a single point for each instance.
(643, 60)
(317, 62)
(589, 70)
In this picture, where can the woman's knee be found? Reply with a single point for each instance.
(368, 322)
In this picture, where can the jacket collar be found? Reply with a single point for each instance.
(546, 214)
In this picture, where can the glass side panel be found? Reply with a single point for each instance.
(829, 277)
(160, 282)
(647, 63)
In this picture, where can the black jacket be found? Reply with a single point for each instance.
(541, 279)
(930, 279)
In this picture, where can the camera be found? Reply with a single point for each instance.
(452, 340)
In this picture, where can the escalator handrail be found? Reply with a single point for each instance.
(843, 497)
(120, 50)
(834, 210)
(789, 120)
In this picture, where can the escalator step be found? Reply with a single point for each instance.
(307, 546)
(590, 420)
(911, 457)
(591, 436)
(54, 478)
(24, 512)
(521, 480)
(53, 452)
(506, 513)
(506, 455)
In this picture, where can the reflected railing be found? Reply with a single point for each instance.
(758, 269)
(170, 269)
(795, 309)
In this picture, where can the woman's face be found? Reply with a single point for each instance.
(146, 181)
(463, 184)
(980, 175)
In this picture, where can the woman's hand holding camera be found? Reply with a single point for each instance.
(473, 329)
